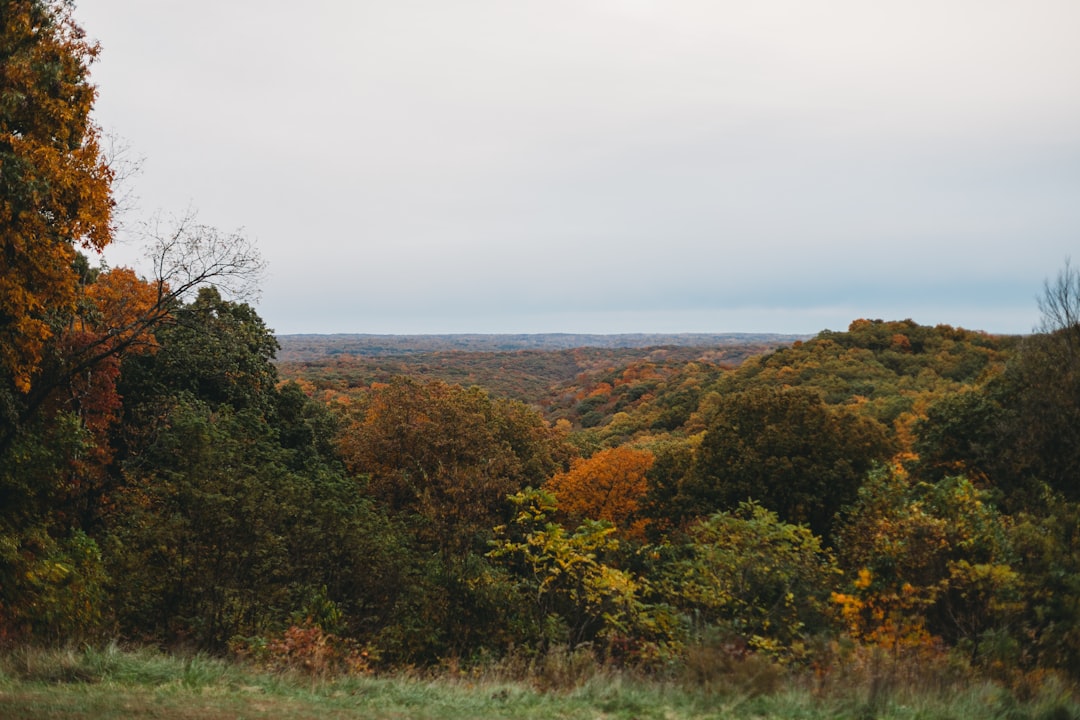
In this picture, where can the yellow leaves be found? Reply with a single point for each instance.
(889, 620)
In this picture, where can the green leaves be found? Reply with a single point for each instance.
(568, 576)
(784, 448)
(754, 576)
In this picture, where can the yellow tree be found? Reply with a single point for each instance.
(607, 486)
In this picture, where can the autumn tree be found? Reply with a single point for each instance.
(568, 582)
(55, 182)
(441, 460)
(926, 561)
(610, 486)
(447, 456)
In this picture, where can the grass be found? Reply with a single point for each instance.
(112, 683)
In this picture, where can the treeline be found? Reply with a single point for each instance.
(890, 490)
(533, 376)
(307, 348)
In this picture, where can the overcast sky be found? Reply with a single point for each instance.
(413, 166)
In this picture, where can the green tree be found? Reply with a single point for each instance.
(568, 579)
(231, 511)
(748, 574)
(783, 448)
(1047, 547)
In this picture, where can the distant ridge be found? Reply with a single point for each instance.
(311, 346)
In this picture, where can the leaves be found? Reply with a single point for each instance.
(447, 455)
(55, 185)
(755, 576)
(609, 486)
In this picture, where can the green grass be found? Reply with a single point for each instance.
(112, 683)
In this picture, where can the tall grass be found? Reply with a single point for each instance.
(111, 682)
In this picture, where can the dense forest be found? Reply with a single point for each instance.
(892, 488)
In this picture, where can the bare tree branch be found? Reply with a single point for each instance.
(1060, 307)
(186, 255)
(125, 166)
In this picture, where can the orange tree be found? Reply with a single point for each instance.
(55, 184)
(607, 486)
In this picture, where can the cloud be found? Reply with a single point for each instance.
(465, 164)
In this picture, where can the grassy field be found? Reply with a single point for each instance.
(114, 684)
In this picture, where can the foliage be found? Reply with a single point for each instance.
(566, 577)
(748, 575)
(607, 486)
(230, 508)
(785, 449)
(447, 457)
(54, 183)
(927, 562)
(157, 480)
(306, 649)
(52, 589)
(51, 578)
(1048, 552)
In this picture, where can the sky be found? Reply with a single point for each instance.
(609, 166)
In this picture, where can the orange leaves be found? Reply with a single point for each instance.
(607, 486)
(121, 305)
(894, 619)
(55, 190)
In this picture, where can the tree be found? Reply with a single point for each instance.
(1060, 305)
(610, 486)
(54, 181)
(124, 310)
(1019, 431)
(567, 581)
(447, 457)
(748, 573)
(65, 328)
(785, 449)
(926, 560)
(229, 511)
